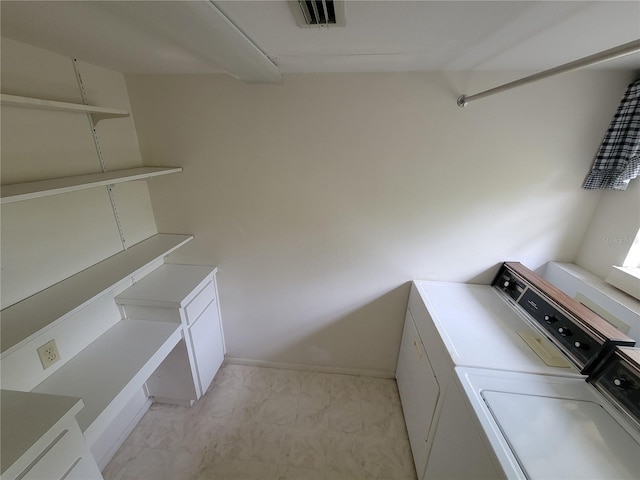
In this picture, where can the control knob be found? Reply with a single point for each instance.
(564, 331)
(621, 383)
(550, 319)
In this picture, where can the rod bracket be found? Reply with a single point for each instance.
(462, 101)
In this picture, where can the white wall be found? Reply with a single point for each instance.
(320, 199)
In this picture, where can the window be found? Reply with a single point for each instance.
(627, 276)
(633, 257)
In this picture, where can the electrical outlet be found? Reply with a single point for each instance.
(48, 354)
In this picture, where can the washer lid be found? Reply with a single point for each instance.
(564, 438)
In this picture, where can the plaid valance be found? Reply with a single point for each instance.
(618, 159)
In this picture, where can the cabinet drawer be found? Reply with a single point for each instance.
(198, 304)
(63, 457)
(158, 314)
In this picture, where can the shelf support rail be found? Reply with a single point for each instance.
(96, 141)
(604, 56)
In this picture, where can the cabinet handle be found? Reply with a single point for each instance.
(70, 469)
(418, 349)
(42, 454)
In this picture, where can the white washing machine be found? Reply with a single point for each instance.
(542, 427)
(519, 326)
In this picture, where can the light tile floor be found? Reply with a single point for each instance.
(266, 423)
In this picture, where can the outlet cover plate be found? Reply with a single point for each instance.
(48, 354)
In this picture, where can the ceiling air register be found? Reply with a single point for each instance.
(318, 13)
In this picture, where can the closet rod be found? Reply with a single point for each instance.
(606, 55)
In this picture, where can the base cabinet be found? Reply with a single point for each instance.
(186, 294)
(41, 438)
(69, 458)
(419, 392)
(206, 344)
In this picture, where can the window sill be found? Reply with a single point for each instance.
(626, 279)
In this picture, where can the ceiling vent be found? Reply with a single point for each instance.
(318, 13)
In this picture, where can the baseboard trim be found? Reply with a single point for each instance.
(313, 368)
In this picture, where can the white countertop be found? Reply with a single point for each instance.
(170, 285)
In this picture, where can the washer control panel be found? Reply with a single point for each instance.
(619, 379)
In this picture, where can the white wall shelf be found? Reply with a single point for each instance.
(41, 104)
(108, 373)
(43, 188)
(25, 320)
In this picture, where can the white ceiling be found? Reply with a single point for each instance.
(258, 40)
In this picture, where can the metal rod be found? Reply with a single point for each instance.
(606, 55)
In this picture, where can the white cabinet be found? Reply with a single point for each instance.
(184, 294)
(205, 340)
(67, 458)
(41, 438)
(419, 392)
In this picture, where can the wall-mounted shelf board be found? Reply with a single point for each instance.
(17, 192)
(108, 372)
(41, 104)
(28, 318)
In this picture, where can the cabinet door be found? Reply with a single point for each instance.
(205, 336)
(85, 469)
(419, 392)
(67, 458)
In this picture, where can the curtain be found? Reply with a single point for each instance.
(618, 159)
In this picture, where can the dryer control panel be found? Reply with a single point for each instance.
(578, 332)
(576, 342)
